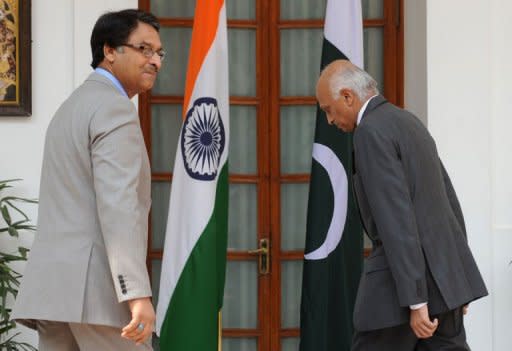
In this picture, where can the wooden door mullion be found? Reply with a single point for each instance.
(264, 230)
(275, 172)
(400, 53)
(390, 50)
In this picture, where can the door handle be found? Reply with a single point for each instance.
(263, 253)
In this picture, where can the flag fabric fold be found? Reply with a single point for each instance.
(194, 259)
(334, 242)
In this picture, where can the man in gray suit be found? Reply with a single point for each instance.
(86, 286)
(421, 274)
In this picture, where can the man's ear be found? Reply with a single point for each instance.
(347, 95)
(109, 53)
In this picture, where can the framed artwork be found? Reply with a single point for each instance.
(15, 58)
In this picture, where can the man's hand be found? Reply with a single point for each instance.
(143, 315)
(421, 324)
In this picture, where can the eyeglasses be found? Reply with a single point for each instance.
(147, 51)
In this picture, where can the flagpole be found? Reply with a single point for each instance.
(219, 348)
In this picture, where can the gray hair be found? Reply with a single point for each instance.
(353, 78)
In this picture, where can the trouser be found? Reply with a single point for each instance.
(62, 336)
(449, 336)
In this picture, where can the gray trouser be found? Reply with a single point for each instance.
(449, 336)
(61, 336)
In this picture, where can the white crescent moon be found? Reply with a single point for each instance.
(338, 177)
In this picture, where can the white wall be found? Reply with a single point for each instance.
(60, 62)
(501, 170)
(469, 108)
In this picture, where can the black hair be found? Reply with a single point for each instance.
(114, 28)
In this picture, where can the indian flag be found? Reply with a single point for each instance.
(194, 260)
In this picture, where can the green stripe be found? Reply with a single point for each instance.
(191, 320)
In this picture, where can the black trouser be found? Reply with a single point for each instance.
(449, 336)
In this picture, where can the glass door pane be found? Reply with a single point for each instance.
(160, 193)
(373, 9)
(166, 123)
(243, 217)
(241, 9)
(294, 205)
(171, 77)
(300, 61)
(239, 344)
(302, 9)
(242, 62)
(374, 54)
(173, 8)
(241, 295)
(297, 133)
(243, 155)
(290, 344)
(291, 284)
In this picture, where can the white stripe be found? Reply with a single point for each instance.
(344, 29)
(192, 201)
(338, 177)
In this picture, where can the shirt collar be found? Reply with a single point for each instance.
(112, 78)
(363, 108)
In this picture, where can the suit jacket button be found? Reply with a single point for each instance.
(120, 276)
(124, 291)
(123, 286)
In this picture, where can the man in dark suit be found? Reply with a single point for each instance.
(421, 274)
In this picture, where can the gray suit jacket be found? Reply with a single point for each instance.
(89, 254)
(411, 212)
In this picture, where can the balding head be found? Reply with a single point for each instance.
(342, 74)
(341, 91)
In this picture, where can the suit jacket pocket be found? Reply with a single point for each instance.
(375, 264)
(54, 282)
(377, 304)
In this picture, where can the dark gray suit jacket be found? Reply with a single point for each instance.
(411, 212)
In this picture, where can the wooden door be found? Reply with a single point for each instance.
(274, 60)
